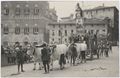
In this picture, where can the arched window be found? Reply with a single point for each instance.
(53, 33)
(59, 40)
(6, 11)
(35, 29)
(65, 32)
(5, 29)
(72, 31)
(17, 30)
(36, 11)
(27, 10)
(17, 11)
(26, 29)
(53, 39)
(59, 33)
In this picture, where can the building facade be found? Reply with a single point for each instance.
(25, 21)
(60, 32)
(102, 12)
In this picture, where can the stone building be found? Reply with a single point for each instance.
(25, 21)
(102, 12)
(59, 32)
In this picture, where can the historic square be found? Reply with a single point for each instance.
(43, 39)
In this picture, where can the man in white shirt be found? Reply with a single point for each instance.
(83, 50)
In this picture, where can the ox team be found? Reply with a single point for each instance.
(74, 53)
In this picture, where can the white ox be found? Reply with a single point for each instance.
(59, 53)
(35, 52)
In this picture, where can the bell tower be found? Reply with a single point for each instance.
(79, 20)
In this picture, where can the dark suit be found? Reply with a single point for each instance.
(74, 54)
(45, 58)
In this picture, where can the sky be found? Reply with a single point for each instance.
(65, 8)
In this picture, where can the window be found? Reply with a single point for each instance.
(35, 30)
(6, 30)
(36, 11)
(59, 40)
(17, 30)
(53, 33)
(53, 39)
(26, 30)
(65, 32)
(27, 11)
(17, 11)
(59, 33)
(72, 31)
(6, 11)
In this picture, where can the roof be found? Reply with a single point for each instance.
(99, 8)
(65, 17)
(86, 21)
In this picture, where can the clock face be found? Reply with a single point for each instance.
(79, 21)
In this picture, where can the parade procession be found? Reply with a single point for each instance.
(40, 40)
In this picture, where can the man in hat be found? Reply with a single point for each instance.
(74, 53)
(45, 58)
(20, 58)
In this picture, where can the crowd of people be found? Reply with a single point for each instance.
(96, 43)
(10, 53)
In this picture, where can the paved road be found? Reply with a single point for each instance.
(103, 67)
